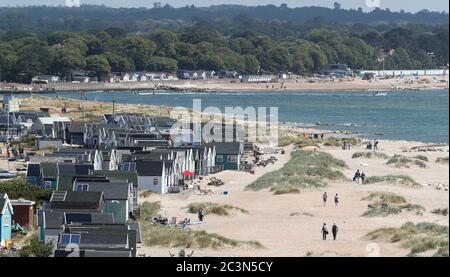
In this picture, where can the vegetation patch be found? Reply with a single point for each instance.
(154, 235)
(442, 160)
(418, 238)
(405, 162)
(387, 203)
(148, 210)
(214, 208)
(422, 158)
(443, 212)
(146, 193)
(370, 155)
(285, 190)
(393, 179)
(305, 169)
(19, 188)
(287, 138)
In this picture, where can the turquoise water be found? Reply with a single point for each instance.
(404, 115)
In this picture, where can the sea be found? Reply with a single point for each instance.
(400, 115)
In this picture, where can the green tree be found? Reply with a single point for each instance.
(98, 65)
(139, 50)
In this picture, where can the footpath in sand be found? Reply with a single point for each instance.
(290, 225)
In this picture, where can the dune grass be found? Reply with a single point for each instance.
(304, 214)
(388, 203)
(149, 210)
(284, 190)
(442, 160)
(393, 179)
(154, 235)
(214, 208)
(443, 212)
(422, 158)
(286, 138)
(146, 193)
(304, 170)
(400, 161)
(370, 155)
(418, 238)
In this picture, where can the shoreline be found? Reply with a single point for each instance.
(162, 110)
(289, 85)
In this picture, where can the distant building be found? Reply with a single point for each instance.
(6, 217)
(23, 212)
(195, 74)
(258, 79)
(336, 69)
(45, 79)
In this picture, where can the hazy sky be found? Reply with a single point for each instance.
(408, 5)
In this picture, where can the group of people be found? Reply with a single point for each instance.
(334, 231)
(325, 199)
(346, 145)
(373, 145)
(334, 228)
(359, 177)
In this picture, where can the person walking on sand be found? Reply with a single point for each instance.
(357, 177)
(375, 145)
(324, 231)
(363, 177)
(325, 198)
(201, 214)
(336, 199)
(334, 230)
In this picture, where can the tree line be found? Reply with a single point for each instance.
(243, 44)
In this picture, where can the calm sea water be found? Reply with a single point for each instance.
(404, 115)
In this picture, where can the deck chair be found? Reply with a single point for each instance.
(173, 222)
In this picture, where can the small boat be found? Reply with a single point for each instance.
(143, 93)
(380, 93)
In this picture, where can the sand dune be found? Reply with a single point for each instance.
(289, 225)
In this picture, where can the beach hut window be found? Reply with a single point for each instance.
(232, 158)
(219, 158)
(155, 181)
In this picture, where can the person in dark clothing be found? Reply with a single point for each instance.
(363, 177)
(375, 145)
(324, 231)
(201, 215)
(336, 199)
(334, 230)
(357, 176)
(325, 198)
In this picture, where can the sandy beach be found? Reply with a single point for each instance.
(296, 84)
(289, 225)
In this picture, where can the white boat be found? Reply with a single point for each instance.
(380, 93)
(143, 93)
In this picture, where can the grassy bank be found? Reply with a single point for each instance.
(214, 208)
(388, 203)
(402, 180)
(400, 161)
(442, 160)
(370, 155)
(289, 137)
(443, 212)
(156, 235)
(418, 238)
(304, 170)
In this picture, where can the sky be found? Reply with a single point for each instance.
(407, 5)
